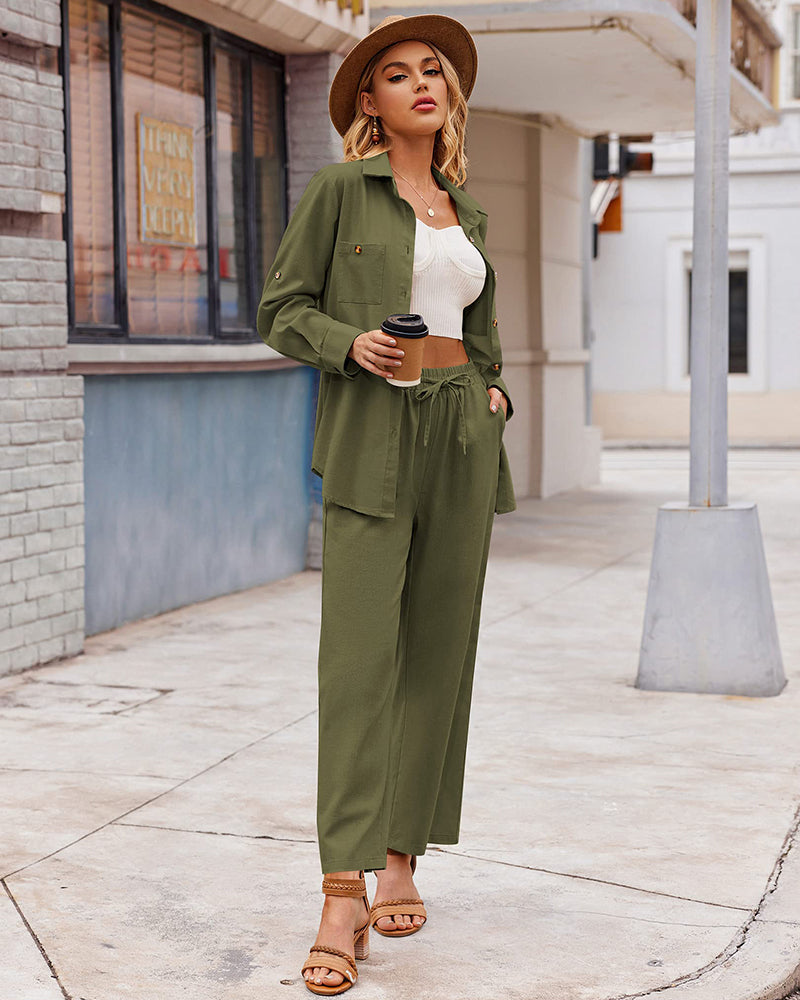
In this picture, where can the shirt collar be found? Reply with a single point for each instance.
(468, 209)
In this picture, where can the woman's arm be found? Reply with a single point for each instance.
(289, 318)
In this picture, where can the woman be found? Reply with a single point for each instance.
(411, 477)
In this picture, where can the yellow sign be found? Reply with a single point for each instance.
(166, 182)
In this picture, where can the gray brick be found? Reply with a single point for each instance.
(38, 454)
(24, 524)
(13, 503)
(18, 70)
(63, 538)
(38, 543)
(74, 557)
(73, 429)
(42, 585)
(11, 593)
(24, 657)
(13, 291)
(11, 410)
(25, 569)
(73, 643)
(53, 604)
(5, 526)
(68, 494)
(66, 451)
(73, 385)
(11, 132)
(50, 519)
(41, 498)
(39, 409)
(73, 515)
(28, 477)
(22, 388)
(8, 315)
(10, 638)
(11, 548)
(51, 649)
(70, 406)
(50, 430)
(48, 118)
(24, 433)
(53, 562)
(73, 599)
(23, 613)
(64, 623)
(38, 631)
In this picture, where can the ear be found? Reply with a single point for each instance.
(367, 105)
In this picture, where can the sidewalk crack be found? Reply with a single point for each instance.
(36, 940)
(592, 878)
(740, 938)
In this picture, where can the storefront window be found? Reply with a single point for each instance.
(230, 191)
(90, 150)
(162, 75)
(177, 174)
(268, 142)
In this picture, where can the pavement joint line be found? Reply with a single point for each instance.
(219, 833)
(560, 590)
(102, 774)
(740, 938)
(166, 791)
(600, 881)
(36, 940)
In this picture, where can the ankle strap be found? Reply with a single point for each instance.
(344, 886)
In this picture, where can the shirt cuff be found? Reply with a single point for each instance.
(335, 346)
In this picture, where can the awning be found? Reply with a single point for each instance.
(600, 66)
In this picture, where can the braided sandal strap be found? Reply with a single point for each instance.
(413, 907)
(344, 886)
(333, 959)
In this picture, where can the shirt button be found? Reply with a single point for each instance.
(494, 322)
(358, 248)
(472, 239)
(496, 368)
(277, 274)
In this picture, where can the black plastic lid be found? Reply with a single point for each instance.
(405, 325)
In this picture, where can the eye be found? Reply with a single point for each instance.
(397, 76)
(434, 71)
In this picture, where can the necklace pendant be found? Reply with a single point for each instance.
(431, 212)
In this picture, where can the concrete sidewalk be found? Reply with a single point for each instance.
(157, 793)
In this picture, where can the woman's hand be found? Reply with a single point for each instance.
(497, 398)
(375, 348)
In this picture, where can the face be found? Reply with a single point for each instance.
(409, 93)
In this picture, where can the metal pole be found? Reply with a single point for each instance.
(709, 625)
(708, 469)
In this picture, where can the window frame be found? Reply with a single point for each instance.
(792, 55)
(212, 38)
(744, 253)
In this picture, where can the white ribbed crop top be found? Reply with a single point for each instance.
(449, 274)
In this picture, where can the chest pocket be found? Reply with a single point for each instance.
(360, 267)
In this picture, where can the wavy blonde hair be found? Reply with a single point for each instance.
(448, 148)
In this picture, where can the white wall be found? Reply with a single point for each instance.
(639, 295)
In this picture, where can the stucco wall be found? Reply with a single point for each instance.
(210, 494)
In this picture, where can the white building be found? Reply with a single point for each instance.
(640, 283)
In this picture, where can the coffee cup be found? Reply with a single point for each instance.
(409, 330)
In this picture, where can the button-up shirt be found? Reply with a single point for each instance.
(344, 264)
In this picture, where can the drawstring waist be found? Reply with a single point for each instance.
(450, 380)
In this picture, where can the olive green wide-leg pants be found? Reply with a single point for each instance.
(401, 604)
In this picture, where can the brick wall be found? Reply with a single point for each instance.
(41, 407)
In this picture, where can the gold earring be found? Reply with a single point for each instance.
(376, 136)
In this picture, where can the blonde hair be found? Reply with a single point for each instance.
(448, 148)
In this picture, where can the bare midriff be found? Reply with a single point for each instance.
(443, 352)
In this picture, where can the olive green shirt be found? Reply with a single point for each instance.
(345, 264)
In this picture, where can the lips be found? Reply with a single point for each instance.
(424, 102)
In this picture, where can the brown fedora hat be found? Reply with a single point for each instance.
(447, 34)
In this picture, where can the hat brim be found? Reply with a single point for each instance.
(447, 34)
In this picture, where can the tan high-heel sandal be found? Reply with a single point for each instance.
(322, 956)
(413, 907)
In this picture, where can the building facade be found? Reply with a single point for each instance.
(642, 281)
(154, 451)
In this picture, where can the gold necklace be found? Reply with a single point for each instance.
(431, 212)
